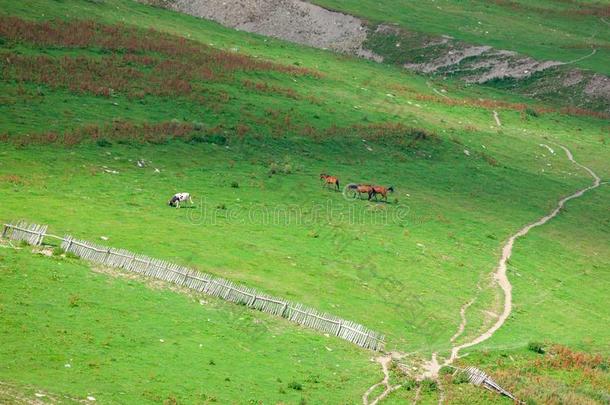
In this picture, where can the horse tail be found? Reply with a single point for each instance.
(338, 187)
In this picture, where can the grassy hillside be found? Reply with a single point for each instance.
(246, 124)
(544, 29)
(69, 331)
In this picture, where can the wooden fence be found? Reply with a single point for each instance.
(202, 282)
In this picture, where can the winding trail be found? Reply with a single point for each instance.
(432, 367)
(497, 118)
(501, 277)
(384, 361)
(582, 58)
(463, 318)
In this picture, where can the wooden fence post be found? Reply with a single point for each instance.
(339, 330)
(5, 230)
(41, 236)
(283, 314)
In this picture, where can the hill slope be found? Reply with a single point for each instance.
(246, 124)
(473, 53)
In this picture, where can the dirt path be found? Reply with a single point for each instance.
(501, 277)
(384, 361)
(582, 58)
(463, 318)
(497, 118)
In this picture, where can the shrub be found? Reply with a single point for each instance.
(273, 168)
(74, 301)
(104, 143)
(429, 385)
(409, 384)
(313, 379)
(295, 386)
(171, 400)
(445, 370)
(536, 347)
(460, 377)
(234, 184)
(58, 251)
(531, 112)
(71, 255)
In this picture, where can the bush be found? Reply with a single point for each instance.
(58, 251)
(313, 379)
(409, 384)
(536, 347)
(461, 378)
(429, 385)
(104, 143)
(531, 112)
(295, 386)
(234, 184)
(74, 301)
(215, 139)
(273, 168)
(445, 370)
(71, 255)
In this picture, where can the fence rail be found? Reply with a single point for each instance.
(218, 287)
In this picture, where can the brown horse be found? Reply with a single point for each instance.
(381, 190)
(330, 180)
(358, 189)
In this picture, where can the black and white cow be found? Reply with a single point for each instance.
(178, 198)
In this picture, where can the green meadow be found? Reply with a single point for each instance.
(543, 29)
(246, 125)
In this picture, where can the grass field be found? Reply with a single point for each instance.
(248, 139)
(544, 29)
(118, 340)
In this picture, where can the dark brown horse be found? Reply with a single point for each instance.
(359, 189)
(330, 180)
(381, 190)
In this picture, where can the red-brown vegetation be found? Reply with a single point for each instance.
(125, 39)
(140, 62)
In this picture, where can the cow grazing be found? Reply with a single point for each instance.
(178, 198)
